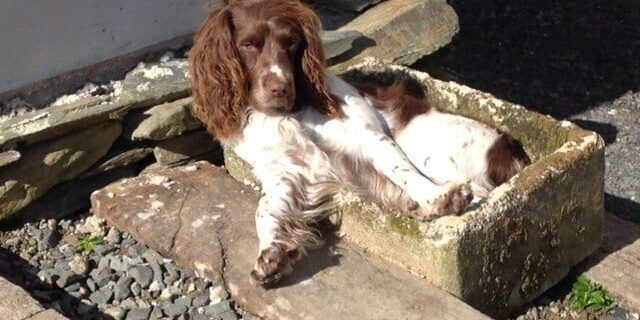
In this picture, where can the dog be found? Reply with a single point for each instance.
(260, 86)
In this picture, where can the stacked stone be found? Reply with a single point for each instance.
(102, 133)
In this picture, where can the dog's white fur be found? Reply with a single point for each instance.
(294, 157)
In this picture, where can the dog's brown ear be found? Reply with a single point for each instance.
(313, 65)
(219, 88)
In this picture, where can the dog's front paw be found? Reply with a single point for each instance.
(452, 202)
(273, 263)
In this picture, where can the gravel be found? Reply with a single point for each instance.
(143, 275)
(120, 279)
(618, 122)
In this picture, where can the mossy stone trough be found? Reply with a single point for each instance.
(517, 243)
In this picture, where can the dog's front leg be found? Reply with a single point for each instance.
(284, 220)
(277, 251)
(435, 200)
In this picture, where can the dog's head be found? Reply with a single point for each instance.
(266, 54)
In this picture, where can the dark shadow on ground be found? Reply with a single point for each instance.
(317, 260)
(21, 273)
(607, 131)
(555, 57)
(623, 208)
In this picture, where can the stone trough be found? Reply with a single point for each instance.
(517, 243)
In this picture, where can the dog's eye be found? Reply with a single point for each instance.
(293, 42)
(248, 45)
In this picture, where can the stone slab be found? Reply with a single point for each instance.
(517, 243)
(204, 219)
(54, 121)
(143, 87)
(184, 147)
(351, 5)
(9, 157)
(68, 197)
(46, 164)
(49, 314)
(122, 159)
(152, 84)
(336, 43)
(402, 31)
(616, 265)
(166, 121)
(164, 209)
(16, 303)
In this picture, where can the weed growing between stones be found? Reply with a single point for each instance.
(587, 295)
(86, 245)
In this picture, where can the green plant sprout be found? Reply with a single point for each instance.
(587, 295)
(86, 245)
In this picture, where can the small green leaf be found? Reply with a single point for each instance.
(585, 294)
(86, 245)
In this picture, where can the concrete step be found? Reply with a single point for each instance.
(203, 219)
(616, 265)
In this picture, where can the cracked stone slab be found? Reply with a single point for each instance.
(518, 242)
(198, 214)
(54, 121)
(122, 159)
(165, 209)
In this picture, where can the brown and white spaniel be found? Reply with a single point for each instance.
(261, 87)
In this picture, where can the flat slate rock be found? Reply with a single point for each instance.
(616, 265)
(203, 219)
(46, 164)
(336, 43)
(402, 31)
(17, 304)
(164, 209)
(351, 5)
(49, 314)
(144, 86)
(166, 121)
(9, 157)
(148, 85)
(184, 147)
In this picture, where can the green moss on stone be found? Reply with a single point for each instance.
(406, 226)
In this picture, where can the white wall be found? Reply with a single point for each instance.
(43, 38)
